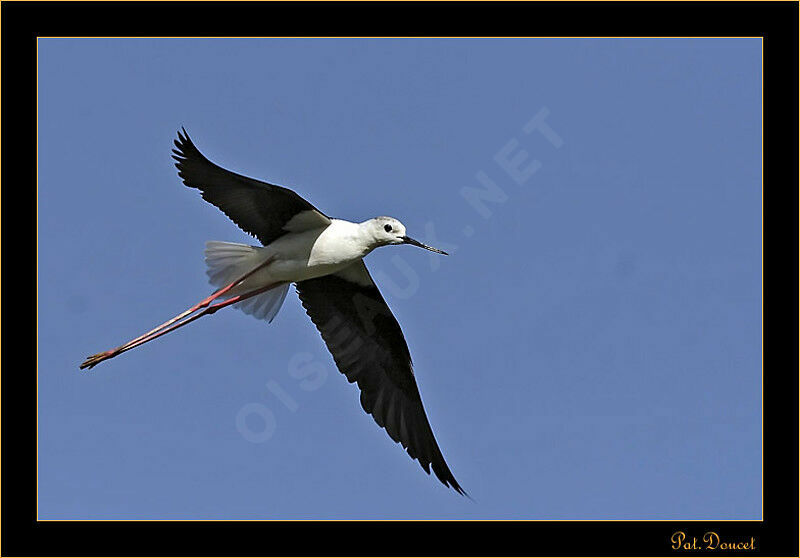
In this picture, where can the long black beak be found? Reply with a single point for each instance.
(409, 240)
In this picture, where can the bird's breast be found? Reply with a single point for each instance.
(316, 253)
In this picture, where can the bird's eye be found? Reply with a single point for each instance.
(387, 228)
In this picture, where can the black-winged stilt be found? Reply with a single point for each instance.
(322, 256)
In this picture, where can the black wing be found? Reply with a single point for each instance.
(260, 209)
(368, 347)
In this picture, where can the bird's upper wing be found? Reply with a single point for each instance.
(263, 210)
(368, 347)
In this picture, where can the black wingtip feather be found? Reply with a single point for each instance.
(381, 397)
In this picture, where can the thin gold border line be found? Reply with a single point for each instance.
(573, 37)
(674, 521)
(760, 520)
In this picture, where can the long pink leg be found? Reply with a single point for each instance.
(99, 357)
(202, 304)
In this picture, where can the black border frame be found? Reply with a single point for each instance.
(22, 22)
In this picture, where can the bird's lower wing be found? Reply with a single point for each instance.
(368, 347)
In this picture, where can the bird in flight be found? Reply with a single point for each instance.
(323, 257)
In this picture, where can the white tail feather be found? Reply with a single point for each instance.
(228, 261)
(266, 305)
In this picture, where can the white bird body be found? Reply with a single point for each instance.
(319, 252)
(293, 257)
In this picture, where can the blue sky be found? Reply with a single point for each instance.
(590, 350)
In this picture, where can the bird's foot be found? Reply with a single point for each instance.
(94, 360)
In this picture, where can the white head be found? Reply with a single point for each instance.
(388, 230)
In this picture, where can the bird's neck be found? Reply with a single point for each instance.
(366, 237)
